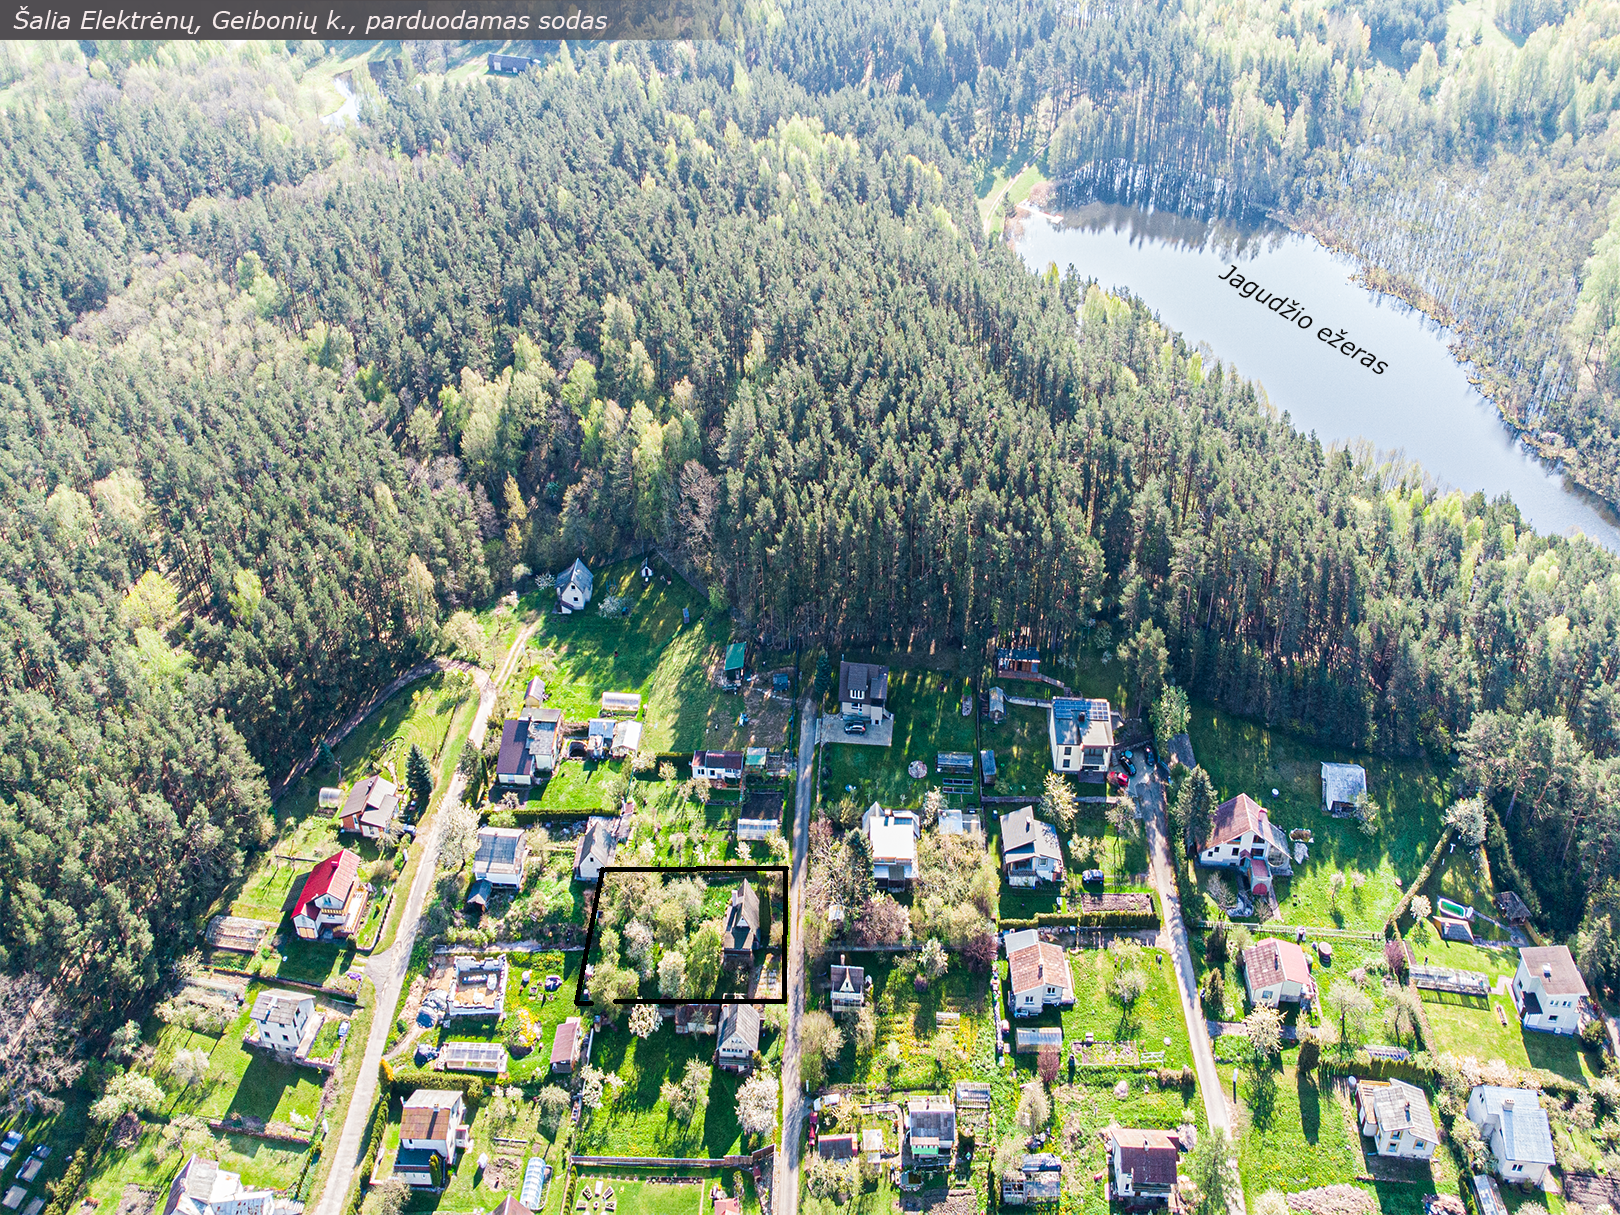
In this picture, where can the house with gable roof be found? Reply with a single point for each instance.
(595, 848)
(1030, 851)
(574, 586)
(1143, 1164)
(433, 1123)
(1243, 837)
(201, 1187)
(369, 809)
(1548, 989)
(332, 900)
(745, 927)
(531, 744)
(1397, 1117)
(1276, 972)
(1081, 734)
(930, 1127)
(893, 835)
(738, 1037)
(1515, 1128)
(863, 690)
(502, 854)
(1039, 973)
(847, 986)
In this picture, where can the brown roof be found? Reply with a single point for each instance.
(1042, 962)
(511, 1206)
(1272, 961)
(836, 1147)
(1234, 818)
(1150, 1157)
(424, 1122)
(1564, 979)
(566, 1044)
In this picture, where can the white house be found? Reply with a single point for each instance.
(1515, 1128)
(1547, 989)
(893, 835)
(280, 1019)
(595, 849)
(370, 808)
(847, 985)
(501, 856)
(1081, 733)
(1030, 852)
(1396, 1115)
(574, 587)
(718, 767)
(1342, 784)
(863, 690)
(434, 1123)
(1143, 1164)
(1242, 837)
(599, 736)
(1039, 972)
(1276, 972)
(203, 1188)
(738, 1037)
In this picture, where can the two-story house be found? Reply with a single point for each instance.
(574, 586)
(1039, 972)
(930, 1127)
(1030, 852)
(332, 900)
(1081, 734)
(743, 931)
(434, 1123)
(1396, 1116)
(1143, 1164)
(1515, 1128)
(863, 690)
(893, 835)
(847, 986)
(1547, 989)
(281, 1021)
(531, 744)
(1242, 837)
(738, 1037)
(501, 856)
(369, 809)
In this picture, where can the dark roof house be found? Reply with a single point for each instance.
(744, 925)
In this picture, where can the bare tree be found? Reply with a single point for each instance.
(36, 1042)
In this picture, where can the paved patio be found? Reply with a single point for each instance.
(880, 734)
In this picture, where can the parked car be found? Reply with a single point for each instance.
(854, 727)
(1148, 756)
(1127, 764)
(1093, 876)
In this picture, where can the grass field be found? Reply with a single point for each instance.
(912, 1050)
(1242, 757)
(1155, 1016)
(927, 720)
(1082, 1110)
(633, 1121)
(649, 651)
(153, 1160)
(651, 1197)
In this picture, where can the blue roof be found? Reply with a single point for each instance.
(577, 574)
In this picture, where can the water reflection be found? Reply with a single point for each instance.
(1423, 405)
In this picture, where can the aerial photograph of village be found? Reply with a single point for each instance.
(784, 608)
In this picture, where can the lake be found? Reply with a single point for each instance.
(1422, 404)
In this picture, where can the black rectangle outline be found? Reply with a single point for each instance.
(580, 1000)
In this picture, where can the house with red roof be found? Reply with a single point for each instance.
(333, 899)
(1276, 971)
(1243, 837)
(1144, 1164)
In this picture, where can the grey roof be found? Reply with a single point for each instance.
(1342, 783)
(1399, 1106)
(850, 980)
(863, 681)
(741, 1020)
(1072, 716)
(278, 1007)
(373, 801)
(931, 1118)
(742, 919)
(1526, 1135)
(576, 574)
(1043, 1177)
(498, 847)
(1025, 836)
(597, 843)
(1564, 979)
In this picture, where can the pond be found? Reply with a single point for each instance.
(1390, 380)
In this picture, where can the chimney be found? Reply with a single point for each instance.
(1507, 1103)
(842, 960)
(1546, 971)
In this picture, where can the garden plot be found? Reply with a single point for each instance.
(920, 1040)
(927, 720)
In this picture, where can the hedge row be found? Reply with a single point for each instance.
(406, 1080)
(1088, 919)
(1392, 927)
(65, 1190)
(1502, 863)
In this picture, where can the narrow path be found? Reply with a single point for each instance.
(386, 969)
(995, 199)
(785, 1183)
(1148, 791)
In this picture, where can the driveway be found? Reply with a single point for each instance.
(785, 1181)
(386, 968)
(1148, 790)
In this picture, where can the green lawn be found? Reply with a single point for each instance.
(913, 1051)
(1467, 1025)
(650, 651)
(1242, 757)
(1083, 1110)
(928, 719)
(651, 1197)
(1294, 1135)
(549, 1009)
(153, 1160)
(1023, 749)
(634, 1122)
(1155, 1016)
(320, 962)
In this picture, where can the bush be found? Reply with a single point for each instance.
(406, 1080)
(1592, 1034)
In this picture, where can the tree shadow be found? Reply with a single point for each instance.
(1310, 1107)
(1261, 1095)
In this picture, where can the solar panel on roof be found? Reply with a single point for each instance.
(1098, 710)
